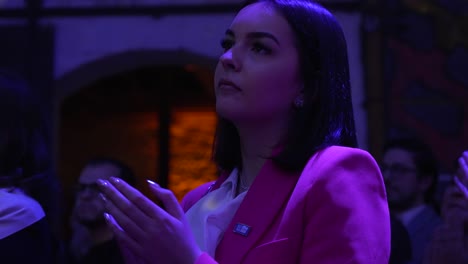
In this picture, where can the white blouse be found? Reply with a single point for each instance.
(211, 215)
(17, 211)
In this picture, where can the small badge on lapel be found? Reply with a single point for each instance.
(242, 229)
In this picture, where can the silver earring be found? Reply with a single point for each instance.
(298, 102)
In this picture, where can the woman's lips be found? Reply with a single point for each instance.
(227, 84)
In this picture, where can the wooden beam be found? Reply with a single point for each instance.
(151, 10)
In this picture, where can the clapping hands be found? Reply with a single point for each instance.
(450, 241)
(146, 232)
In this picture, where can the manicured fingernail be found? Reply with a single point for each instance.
(107, 217)
(102, 183)
(114, 180)
(103, 197)
(153, 183)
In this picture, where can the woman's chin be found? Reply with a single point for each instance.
(228, 111)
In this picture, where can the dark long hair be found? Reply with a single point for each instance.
(326, 117)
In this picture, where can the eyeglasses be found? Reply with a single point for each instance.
(81, 187)
(396, 169)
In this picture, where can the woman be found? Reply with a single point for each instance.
(27, 190)
(293, 188)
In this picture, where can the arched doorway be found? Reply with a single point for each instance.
(122, 117)
(136, 116)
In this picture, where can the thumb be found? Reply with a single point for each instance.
(168, 199)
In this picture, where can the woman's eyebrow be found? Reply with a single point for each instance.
(254, 35)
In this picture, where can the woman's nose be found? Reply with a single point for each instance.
(229, 62)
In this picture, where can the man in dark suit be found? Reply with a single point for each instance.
(400, 247)
(410, 172)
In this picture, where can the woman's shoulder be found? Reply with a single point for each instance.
(337, 163)
(330, 156)
(343, 152)
(17, 211)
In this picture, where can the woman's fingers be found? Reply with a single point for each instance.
(168, 199)
(128, 247)
(123, 222)
(137, 199)
(127, 215)
(146, 230)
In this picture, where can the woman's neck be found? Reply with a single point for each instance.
(252, 162)
(257, 145)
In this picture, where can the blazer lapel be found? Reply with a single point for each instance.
(265, 199)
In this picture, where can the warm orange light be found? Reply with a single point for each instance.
(190, 149)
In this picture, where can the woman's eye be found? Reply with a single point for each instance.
(260, 48)
(226, 44)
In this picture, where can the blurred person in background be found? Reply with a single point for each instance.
(28, 189)
(411, 174)
(92, 239)
(400, 251)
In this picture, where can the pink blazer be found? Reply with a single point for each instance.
(333, 212)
